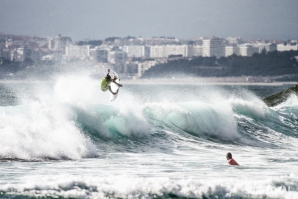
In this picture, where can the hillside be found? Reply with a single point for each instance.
(265, 64)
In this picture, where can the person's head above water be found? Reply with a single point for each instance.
(229, 156)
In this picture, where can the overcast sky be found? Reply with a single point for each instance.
(185, 19)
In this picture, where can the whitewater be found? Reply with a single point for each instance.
(65, 139)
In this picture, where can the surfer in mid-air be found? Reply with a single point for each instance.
(106, 81)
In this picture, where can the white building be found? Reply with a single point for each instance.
(163, 51)
(117, 57)
(247, 50)
(282, 47)
(20, 54)
(212, 47)
(136, 51)
(142, 67)
(59, 43)
(197, 50)
(75, 51)
(266, 46)
(230, 50)
(157, 51)
(176, 50)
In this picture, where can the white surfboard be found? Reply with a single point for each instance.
(115, 89)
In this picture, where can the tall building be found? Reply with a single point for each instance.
(212, 47)
(247, 50)
(230, 50)
(197, 50)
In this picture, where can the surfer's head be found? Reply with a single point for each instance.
(229, 156)
(108, 77)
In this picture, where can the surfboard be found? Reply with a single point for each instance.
(115, 89)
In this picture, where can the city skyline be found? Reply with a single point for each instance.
(101, 19)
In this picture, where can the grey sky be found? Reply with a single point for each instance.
(98, 19)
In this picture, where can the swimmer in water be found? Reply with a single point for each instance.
(231, 161)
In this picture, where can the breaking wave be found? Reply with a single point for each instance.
(73, 119)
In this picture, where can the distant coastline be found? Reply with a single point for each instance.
(240, 81)
(205, 81)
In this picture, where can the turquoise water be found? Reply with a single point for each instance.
(65, 139)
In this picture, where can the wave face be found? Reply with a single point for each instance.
(67, 140)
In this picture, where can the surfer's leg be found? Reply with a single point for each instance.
(117, 83)
(112, 91)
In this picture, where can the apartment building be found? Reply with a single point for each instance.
(157, 51)
(176, 50)
(247, 50)
(197, 50)
(136, 51)
(282, 47)
(266, 46)
(75, 51)
(230, 50)
(212, 47)
(143, 66)
(117, 57)
(163, 51)
(59, 43)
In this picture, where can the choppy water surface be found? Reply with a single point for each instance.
(67, 140)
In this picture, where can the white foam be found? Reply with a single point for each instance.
(125, 186)
(38, 130)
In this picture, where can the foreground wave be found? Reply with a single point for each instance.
(128, 187)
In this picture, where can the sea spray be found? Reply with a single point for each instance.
(37, 131)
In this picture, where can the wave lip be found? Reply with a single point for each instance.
(196, 118)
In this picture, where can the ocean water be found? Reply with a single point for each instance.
(65, 139)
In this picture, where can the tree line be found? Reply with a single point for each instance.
(273, 63)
